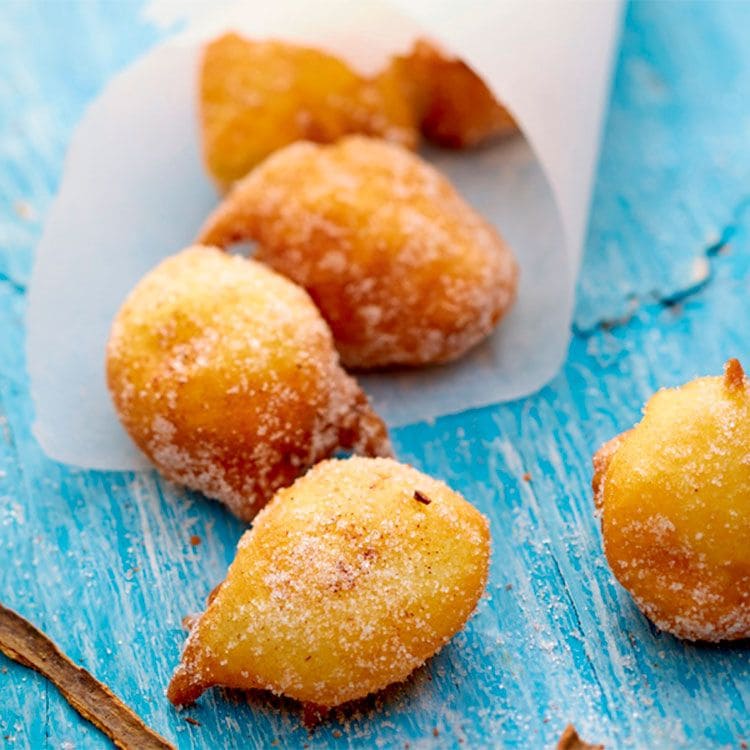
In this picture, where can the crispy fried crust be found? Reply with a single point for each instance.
(225, 375)
(734, 377)
(675, 516)
(570, 740)
(345, 584)
(402, 269)
(601, 461)
(259, 96)
(455, 108)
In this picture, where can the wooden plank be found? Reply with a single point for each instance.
(103, 561)
(675, 174)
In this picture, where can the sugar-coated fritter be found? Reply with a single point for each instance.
(402, 268)
(348, 581)
(453, 105)
(674, 496)
(225, 376)
(259, 96)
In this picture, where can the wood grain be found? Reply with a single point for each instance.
(25, 644)
(104, 562)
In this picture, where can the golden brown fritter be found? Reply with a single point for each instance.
(454, 106)
(348, 581)
(402, 268)
(674, 493)
(225, 376)
(257, 97)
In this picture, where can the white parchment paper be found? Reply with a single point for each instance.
(134, 191)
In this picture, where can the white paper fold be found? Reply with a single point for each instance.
(134, 191)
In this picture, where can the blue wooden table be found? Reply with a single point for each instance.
(105, 564)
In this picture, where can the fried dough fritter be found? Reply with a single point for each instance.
(455, 107)
(348, 581)
(259, 96)
(402, 268)
(225, 376)
(674, 493)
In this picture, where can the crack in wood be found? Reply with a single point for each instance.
(652, 300)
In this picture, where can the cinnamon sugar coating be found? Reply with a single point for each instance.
(402, 268)
(225, 376)
(344, 585)
(674, 494)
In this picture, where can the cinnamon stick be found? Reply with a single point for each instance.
(25, 644)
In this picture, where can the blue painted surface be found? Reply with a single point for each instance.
(103, 562)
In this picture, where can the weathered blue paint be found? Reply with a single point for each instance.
(103, 562)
